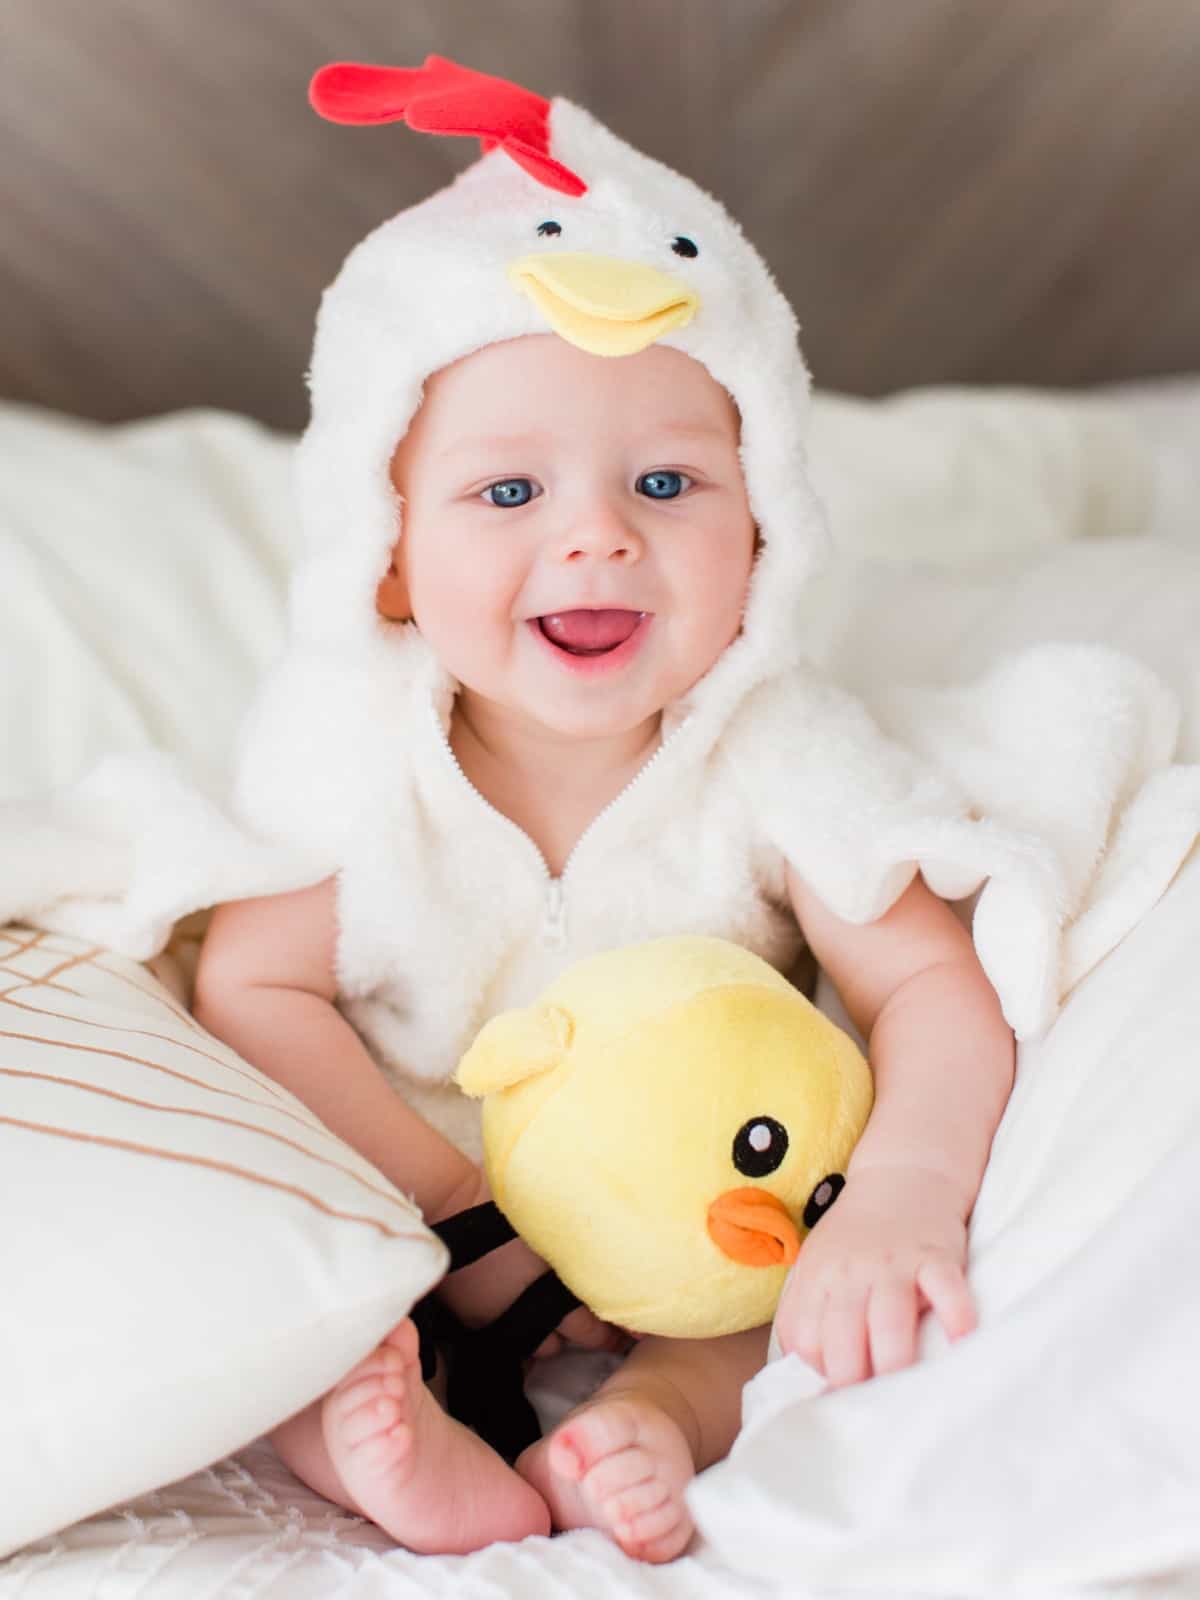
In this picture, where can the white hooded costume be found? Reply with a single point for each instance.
(447, 912)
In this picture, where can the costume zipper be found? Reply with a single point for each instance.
(554, 915)
(554, 923)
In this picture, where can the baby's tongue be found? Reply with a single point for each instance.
(589, 632)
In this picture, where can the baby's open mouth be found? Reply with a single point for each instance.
(589, 633)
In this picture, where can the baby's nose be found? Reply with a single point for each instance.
(601, 535)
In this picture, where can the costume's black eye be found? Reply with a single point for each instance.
(760, 1146)
(548, 229)
(683, 246)
(822, 1197)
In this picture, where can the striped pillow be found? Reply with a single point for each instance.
(187, 1256)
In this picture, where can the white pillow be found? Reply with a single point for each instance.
(187, 1255)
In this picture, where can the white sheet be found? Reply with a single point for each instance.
(1067, 1160)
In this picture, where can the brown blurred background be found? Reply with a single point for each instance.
(949, 190)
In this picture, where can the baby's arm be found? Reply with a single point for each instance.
(266, 985)
(943, 1061)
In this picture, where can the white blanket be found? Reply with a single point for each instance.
(1057, 1445)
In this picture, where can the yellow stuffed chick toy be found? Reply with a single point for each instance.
(664, 1125)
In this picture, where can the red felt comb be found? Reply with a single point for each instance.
(444, 97)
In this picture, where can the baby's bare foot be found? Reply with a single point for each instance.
(424, 1478)
(621, 1465)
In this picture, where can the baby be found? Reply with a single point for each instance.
(542, 745)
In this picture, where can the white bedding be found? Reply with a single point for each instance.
(1058, 1445)
(1100, 1103)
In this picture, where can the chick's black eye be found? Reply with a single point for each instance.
(547, 229)
(822, 1197)
(759, 1146)
(509, 492)
(683, 246)
(661, 485)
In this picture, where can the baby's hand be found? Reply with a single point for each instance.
(893, 1245)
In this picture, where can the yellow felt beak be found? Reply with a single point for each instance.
(605, 306)
(753, 1228)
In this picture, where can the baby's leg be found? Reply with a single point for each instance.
(379, 1444)
(623, 1459)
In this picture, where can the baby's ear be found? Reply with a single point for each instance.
(391, 593)
(514, 1046)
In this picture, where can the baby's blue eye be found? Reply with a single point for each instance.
(509, 492)
(661, 485)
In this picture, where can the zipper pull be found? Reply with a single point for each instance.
(554, 924)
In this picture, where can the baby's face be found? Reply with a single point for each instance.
(577, 540)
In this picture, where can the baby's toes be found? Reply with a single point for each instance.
(598, 1435)
(395, 1362)
(367, 1412)
(658, 1534)
(355, 1391)
(628, 1464)
(623, 1486)
(352, 1427)
(626, 1506)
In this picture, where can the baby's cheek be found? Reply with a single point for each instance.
(466, 625)
(717, 614)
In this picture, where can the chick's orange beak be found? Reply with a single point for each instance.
(753, 1227)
